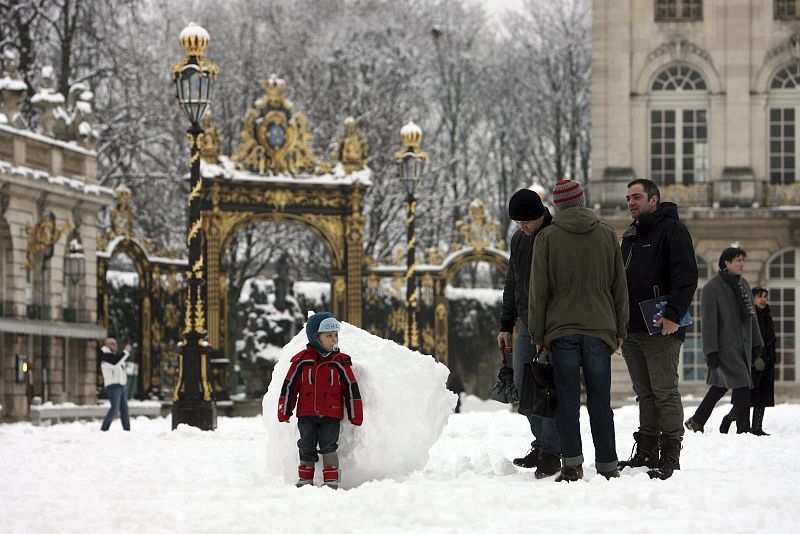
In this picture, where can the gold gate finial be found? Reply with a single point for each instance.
(477, 230)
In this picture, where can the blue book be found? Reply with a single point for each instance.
(653, 310)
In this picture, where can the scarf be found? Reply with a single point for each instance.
(743, 298)
(766, 326)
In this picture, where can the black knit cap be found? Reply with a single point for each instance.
(525, 205)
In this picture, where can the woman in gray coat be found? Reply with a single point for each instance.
(731, 339)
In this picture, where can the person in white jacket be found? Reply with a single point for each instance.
(112, 364)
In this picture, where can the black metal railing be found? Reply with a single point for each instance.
(34, 311)
(72, 315)
(6, 308)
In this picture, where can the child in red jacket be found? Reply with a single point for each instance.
(322, 383)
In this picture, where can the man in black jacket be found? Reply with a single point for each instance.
(659, 260)
(526, 209)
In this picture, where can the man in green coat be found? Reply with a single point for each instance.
(578, 312)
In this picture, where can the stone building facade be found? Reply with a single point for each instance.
(49, 201)
(703, 97)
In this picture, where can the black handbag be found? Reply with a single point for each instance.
(504, 390)
(538, 395)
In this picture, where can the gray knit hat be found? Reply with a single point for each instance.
(568, 194)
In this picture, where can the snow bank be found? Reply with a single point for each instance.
(406, 406)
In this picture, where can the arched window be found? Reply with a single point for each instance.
(678, 126)
(783, 284)
(787, 77)
(784, 103)
(693, 363)
(679, 78)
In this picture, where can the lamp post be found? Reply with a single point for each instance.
(410, 165)
(194, 77)
(76, 262)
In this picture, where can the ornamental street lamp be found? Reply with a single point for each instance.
(410, 165)
(75, 266)
(194, 77)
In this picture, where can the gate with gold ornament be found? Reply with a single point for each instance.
(160, 283)
(274, 175)
(478, 240)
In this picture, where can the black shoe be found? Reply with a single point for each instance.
(726, 423)
(570, 473)
(646, 454)
(661, 473)
(549, 465)
(759, 432)
(670, 457)
(693, 425)
(614, 473)
(528, 461)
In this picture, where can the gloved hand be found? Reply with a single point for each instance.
(759, 364)
(712, 360)
(283, 417)
(357, 422)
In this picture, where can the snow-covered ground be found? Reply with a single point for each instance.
(74, 478)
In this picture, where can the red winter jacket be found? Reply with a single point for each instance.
(325, 386)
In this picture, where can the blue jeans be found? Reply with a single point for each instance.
(545, 432)
(119, 403)
(569, 354)
(313, 430)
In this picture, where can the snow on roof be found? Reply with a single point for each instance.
(338, 176)
(68, 145)
(72, 183)
(109, 251)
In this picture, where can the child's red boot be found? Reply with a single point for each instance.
(330, 471)
(306, 473)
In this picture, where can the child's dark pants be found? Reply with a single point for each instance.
(313, 430)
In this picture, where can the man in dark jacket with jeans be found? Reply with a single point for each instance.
(526, 209)
(659, 260)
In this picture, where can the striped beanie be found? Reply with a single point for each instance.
(568, 194)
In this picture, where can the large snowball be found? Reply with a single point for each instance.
(406, 406)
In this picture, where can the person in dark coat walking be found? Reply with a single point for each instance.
(731, 340)
(763, 371)
(659, 257)
(531, 216)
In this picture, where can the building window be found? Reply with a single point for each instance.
(678, 127)
(787, 77)
(693, 362)
(679, 78)
(784, 105)
(678, 146)
(678, 10)
(784, 286)
(786, 9)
